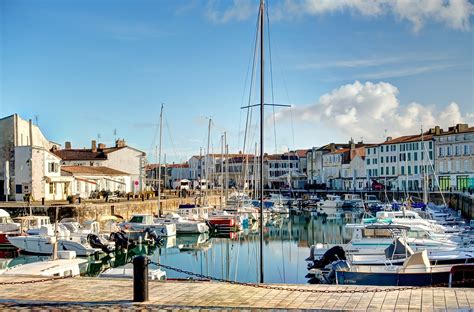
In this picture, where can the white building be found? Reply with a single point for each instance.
(401, 162)
(455, 157)
(28, 167)
(88, 179)
(119, 157)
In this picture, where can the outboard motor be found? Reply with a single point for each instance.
(120, 239)
(96, 242)
(333, 254)
(339, 265)
(151, 237)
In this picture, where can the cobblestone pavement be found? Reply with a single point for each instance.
(83, 294)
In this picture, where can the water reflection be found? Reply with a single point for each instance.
(235, 256)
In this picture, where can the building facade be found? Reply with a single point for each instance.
(455, 157)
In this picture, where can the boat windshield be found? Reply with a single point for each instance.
(377, 233)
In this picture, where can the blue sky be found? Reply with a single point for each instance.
(349, 68)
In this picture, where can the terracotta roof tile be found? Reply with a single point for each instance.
(92, 170)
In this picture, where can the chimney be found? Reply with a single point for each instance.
(94, 146)
(30, 127)
(332, 147)
(437, 130)
(101, 146)
(67, 145)
(389, 138)
(120, 143)
(461, 127)
(54, 148)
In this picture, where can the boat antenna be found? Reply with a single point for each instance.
(159, 161)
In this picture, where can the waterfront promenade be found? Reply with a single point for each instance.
(113, 294)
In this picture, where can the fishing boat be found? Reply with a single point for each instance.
(142, 222)
(416, 270)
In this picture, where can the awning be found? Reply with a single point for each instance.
(60, 179)
(87, 181)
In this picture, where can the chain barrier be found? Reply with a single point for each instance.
(36, 281)
(305, 290)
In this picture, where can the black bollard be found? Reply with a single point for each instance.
(42, 201)
(140, 279)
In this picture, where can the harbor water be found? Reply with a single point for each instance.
(234, 256)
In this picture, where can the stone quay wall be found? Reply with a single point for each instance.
(101, 211)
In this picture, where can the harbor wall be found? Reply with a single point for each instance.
(100, 211)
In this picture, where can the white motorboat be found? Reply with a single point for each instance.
(142, 222)
(372, 241)
(183, 225)
(43, 242)
(331, 206)
(65, 265)
(126, 271)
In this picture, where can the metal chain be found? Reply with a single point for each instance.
(36, 281)
(305, 290)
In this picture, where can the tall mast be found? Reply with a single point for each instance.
(222, 170)
(226, 190)
(159, 160)
(208, 160)
(262, 111)
(423, 171)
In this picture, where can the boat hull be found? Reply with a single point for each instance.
(392, 279)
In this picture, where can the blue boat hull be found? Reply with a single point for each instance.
(392, 279)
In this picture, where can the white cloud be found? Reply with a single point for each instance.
(239, 10)
(453, 13)
(367, 109)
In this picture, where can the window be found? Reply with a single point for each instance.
(409, 169)
(416, 169)
(374, 150)
(431, 155)
(441, 166)
(381, 148)
(466, 149)
(18, 189)
(415, 156)
(368, 151)
(51, 188)
(368, 161)
(381, 171)
(458, 150)
(431, 145)
(467, 166)
(403, 170)
(369, 172)
(409, 156)
(448, 152)
(386, 148)
(402, 148)
(375, 172)
(381, 160)
(386, 159)
(393, 170)
(440, 151)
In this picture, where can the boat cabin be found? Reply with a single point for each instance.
(141, 219)
(193, 211)
(32, 222)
